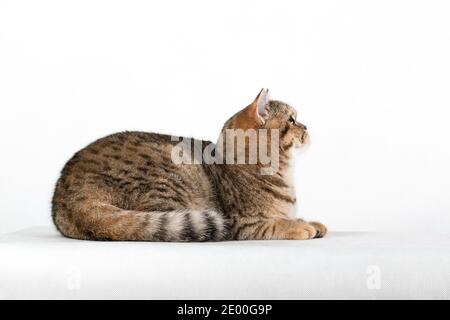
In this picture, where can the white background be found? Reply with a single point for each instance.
(371, 79)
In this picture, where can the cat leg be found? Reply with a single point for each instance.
(275, 229)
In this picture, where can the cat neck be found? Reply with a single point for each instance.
(242, 189)
(282, 171)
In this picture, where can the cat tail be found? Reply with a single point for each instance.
(112, 223)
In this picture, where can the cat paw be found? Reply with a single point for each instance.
(302, 231)
(321, 230)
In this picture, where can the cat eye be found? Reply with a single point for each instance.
(292, 120)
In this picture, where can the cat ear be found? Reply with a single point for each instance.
(262, 102)
(257, 108)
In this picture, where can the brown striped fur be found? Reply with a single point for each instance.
(126, 187)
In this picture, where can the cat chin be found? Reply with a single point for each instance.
(302, 147)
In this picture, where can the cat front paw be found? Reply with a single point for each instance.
(301, 231)
(321, 230)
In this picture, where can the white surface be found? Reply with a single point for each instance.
(38, 263)
(371, 80)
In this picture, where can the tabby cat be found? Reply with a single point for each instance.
(126, 186)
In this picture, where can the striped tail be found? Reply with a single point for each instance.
(112, 223)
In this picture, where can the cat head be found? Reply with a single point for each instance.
(264, 113)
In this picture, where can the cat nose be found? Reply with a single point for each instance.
(301, 125)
